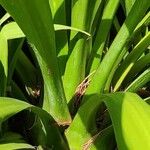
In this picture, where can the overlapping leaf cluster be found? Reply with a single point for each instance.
(74, 74)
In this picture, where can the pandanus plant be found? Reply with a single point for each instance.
(75, 74)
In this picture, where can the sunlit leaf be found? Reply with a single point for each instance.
(130, 118)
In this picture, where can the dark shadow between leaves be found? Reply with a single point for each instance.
(3, 80)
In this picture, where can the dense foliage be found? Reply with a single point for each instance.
(75, 74)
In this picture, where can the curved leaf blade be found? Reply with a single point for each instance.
(16, 146)
(102, 73)
(83, 126)
(130, 118)
(139, 82)
(10, 107)
(39, 30)
(13, 31)
(130, 60)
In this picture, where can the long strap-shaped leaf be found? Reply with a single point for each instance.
(4, 18)
(35, 19)
(128, 5)
(144, 22)
(103, 140)
(11, 141)
(79, 47)
(130, 118)
(102, 34)
(99, 79)
(3, 64)
(11, 146)
(10, 107)
(59, 17)
(130, 60)
(83, 126)
(138, 66)
(13, 31)
(140, 81)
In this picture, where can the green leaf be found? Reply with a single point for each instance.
(79, 46)
(139, 82)
(16, 146)
(142, 24)
(104, 140)
(10, 137)
(24, 67)
(11, 141)
(83, 126)
(59, 16)
(10, 107)
(130, 60)
(4, 18)
(38, 27)
(101, 75)
(14, 50)
(3, 64)
(13, 31)
(128, 5)
(137, 68)
(102, 33)
(116, 24)
(147, 100)
(58, 27)
(130, 118)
